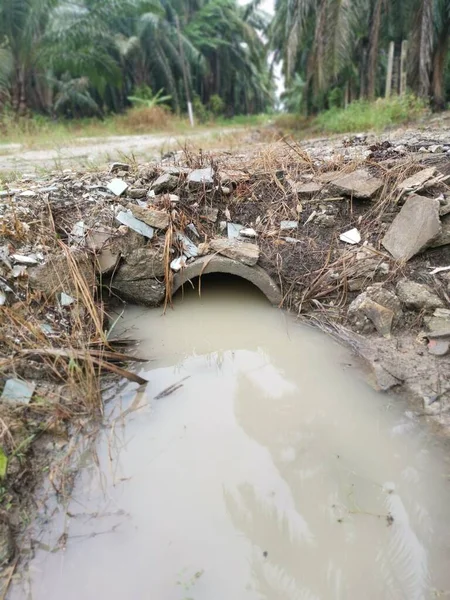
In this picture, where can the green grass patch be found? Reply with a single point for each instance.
(363, 115)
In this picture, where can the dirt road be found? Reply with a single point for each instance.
(86, 152)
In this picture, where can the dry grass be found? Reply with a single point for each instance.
(143, 120)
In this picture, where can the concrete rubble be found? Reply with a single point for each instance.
(377, 270)
(359, 184)
(414, 228)
(243, 252)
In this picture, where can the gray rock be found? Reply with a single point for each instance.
(244, 252)
(383, 379)
(165, 183)
(137, 193)
(56, 276)
(306, 190)
(359, 184)
(148, 292)
(417, 180)
(443, 239)
(143, 263)
(126, 243)
(417, 296)
(366, 312)
(119, 166)
(325, 220)
(415, 227)
(201, 178)
(159, 219)
(438, 347)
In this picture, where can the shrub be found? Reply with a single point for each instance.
(363, 115)
(216, 105)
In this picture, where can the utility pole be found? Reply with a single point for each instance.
(403, 57)
(389, 69)
(185, 77)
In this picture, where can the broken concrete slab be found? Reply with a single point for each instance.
(165, 183)
(190, 250)
(18, 391)
(306, 190)
(417, 296)
(127, 218)
(148, 292)
(159, 219)
(143, 263)
(364, 316)
(443, 239)
(415, 227)
(243, 252)
(380, 316)
(416, 181)
(201, 178)
(117, 186)
(359, 184)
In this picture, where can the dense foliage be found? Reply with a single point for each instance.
(92, 57)
(338, 48)
(88, 57)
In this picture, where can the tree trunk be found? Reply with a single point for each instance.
(439, 60)
(373, 49)
(23, 94)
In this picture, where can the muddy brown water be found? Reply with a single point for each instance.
(273, 472)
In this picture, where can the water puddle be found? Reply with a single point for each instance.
(269, 471)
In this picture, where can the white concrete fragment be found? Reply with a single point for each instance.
(288, 225)
(126, 218)
(233, 230)
(31, 259)
(248, 232)
(117, 186)
(65, 299)
(190, 249)
(16, 390)
(352, 236)
(178, 263)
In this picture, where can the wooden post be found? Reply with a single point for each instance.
(185, 77)
(389, 69)
(403, 57)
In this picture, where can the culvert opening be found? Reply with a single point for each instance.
(208, 265)
(222, 285)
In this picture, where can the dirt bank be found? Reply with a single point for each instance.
(355, 234)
